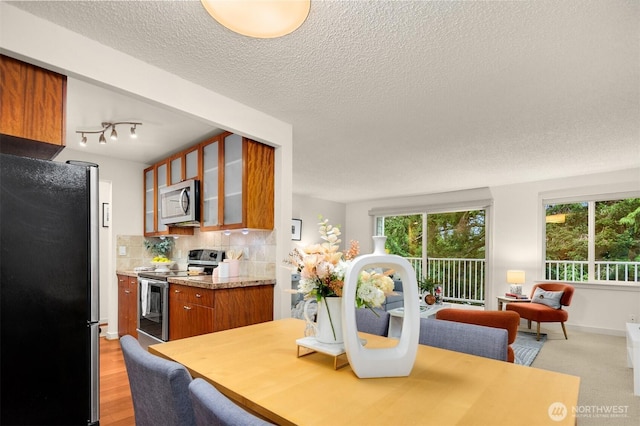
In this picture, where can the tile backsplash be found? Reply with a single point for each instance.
(258, 260)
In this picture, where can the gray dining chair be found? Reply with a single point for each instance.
(488, 342)
(369, 322)
(159, 387)
(212, 408)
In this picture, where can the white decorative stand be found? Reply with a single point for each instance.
(383, 362)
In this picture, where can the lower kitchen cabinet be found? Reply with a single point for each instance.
(190, 311)
(127, 305)
(194, 311)
(238, 307)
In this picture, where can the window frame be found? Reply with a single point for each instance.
(590, 199)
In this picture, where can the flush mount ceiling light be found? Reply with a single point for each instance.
(259, 18)
(106, 126)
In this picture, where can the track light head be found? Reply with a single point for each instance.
(113, 135)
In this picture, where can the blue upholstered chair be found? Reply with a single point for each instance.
(368, 322)
(212, 408)
(488, 342)
(159, 387)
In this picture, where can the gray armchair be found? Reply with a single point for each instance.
(472, 339)
(212, 408)
(395, 300)
(368, 322)
(159, 387)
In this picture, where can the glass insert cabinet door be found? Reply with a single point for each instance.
(209, 187)
(233, 179)
(161, 172)
(149, 226)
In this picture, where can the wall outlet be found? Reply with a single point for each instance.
(122, 250)
(633, 318)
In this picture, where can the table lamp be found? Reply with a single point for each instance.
(515, 280)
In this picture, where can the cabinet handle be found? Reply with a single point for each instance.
(198, 295)
(187, 308)
(127, 291)
(176, 291)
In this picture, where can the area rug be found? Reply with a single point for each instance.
(526, 347)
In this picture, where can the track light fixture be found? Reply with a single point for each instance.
(106, 126)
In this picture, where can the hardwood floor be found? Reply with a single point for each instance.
(116, 406)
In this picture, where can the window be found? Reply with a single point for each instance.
(594, 240)
(451, 251)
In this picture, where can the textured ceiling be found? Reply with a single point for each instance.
(391, 98)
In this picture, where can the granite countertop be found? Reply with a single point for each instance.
(214, 283)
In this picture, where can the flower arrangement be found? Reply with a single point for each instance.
(322, 270)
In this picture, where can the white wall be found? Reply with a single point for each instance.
(308, 210)
(515, 231)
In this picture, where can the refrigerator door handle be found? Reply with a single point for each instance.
(94, 223)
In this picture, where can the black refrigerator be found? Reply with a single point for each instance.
(49, 354)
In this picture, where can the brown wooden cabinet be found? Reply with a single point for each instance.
(32, 109)
(237, 177)
(194, 311)
(157, 177)
(190, 311)
(238, 307)
(237, 184)
(127, 305)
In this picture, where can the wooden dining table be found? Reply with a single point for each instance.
(257, 367)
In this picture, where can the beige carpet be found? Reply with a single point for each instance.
(606, 385)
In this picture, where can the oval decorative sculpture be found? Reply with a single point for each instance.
(381, 362)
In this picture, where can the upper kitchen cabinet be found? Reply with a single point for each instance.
(32, 109)
(156, 178)
(237, 184)
(184, 165)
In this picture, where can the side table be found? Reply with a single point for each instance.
(397, 316)
(504, 299)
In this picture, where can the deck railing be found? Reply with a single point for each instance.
(567, 270)
(463, 280)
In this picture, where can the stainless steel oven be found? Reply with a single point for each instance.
(153, 296)
(153, 310)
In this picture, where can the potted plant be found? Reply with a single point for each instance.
(159, 247)
(430, 289)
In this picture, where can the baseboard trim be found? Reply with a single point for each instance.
(596, 330)
(112, 336)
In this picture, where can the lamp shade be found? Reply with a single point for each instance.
(515, 277)
(259, 18)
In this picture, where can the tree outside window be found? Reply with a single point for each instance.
(593, 241)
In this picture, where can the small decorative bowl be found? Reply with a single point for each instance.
(162, 266)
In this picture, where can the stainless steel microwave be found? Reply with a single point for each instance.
(180, 204)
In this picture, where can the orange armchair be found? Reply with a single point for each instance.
(539, 312)
(496, 319)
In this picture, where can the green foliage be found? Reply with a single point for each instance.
(404, 235)
(159, 246)
(427, 284)
(617, 231)
(456, 235)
